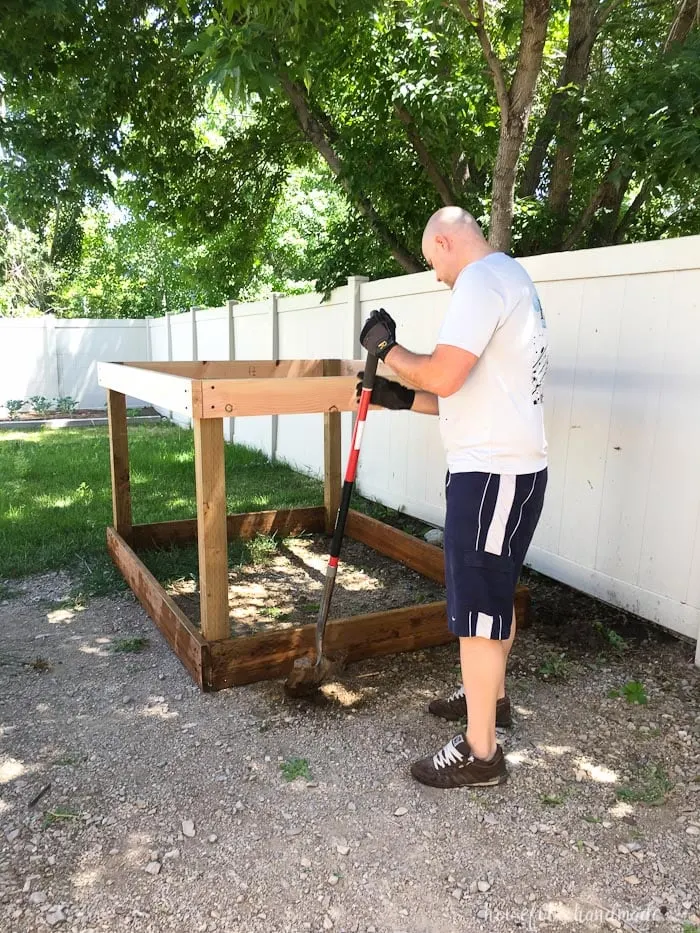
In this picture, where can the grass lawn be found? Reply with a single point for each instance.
(55, 498)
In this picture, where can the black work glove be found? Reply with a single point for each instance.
(379, 333)
(388, 394)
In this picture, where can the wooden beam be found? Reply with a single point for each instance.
(176, 628)
(282, 522)
(226, 398)
(119, 462)
(211, 527)
(427, 559)
(332, 437)
(231, 369)
(157, 388)
(265, 657)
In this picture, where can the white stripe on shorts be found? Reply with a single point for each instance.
(520, 517)
(501, 513)
(484, 625)
(478, 530)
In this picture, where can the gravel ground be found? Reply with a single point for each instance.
(169, 810)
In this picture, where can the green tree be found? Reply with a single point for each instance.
(214, 125)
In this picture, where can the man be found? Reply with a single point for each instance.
(484, 380)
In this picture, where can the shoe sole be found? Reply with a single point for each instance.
(501, 779)
(491, 782)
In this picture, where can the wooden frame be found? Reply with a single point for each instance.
(210, 392)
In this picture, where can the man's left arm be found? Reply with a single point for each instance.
(442, 372)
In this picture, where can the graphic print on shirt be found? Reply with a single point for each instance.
(539, 349)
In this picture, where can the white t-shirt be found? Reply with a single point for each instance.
(494, 422)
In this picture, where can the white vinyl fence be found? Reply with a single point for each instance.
(58, 357)
(622, 511)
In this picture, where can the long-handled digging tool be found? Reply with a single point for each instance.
(306, 677)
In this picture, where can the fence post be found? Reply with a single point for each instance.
(169, 346)
(193, 337)
(355, 314)
(231, 336)
(355, 323)
(52, 371)
(149, 344)
(275, 349)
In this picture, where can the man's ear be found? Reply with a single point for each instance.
(443, 242)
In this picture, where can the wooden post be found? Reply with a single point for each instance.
(331, 454)
(119, 460)
(211, 527)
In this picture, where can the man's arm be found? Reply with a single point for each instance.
(441, 373)
(425, 403)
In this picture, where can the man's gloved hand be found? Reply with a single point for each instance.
(388, 394)
(379, 333)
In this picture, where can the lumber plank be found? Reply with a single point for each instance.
(332, 435)
(157, 388)
(237, 661)
(426, 559)
(230, 369)
(265, 657)
(119, 463)
(228, 398)
(245, 525)
(178, 631)
(212, 544)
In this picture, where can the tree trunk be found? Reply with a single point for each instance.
(504, 173)
(514, 121)
(583, 30)
(315, 125)
(586, 18)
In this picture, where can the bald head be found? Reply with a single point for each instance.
(452, 221)
(451, 240)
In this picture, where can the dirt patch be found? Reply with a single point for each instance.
(284, 590)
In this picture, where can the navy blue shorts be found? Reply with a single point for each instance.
(489, 525)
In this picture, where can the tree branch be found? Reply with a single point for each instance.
(433, 172)
(597, 198)
(603, 11)
(632, 211)
(317, 128)
(582, 35)
(476, 21)
(687, 15)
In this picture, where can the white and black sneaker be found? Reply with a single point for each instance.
(454, 708)
(456, 766)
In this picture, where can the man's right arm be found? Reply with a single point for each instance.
(425, 403)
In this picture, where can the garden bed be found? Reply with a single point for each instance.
(280, 588)
(79, 414)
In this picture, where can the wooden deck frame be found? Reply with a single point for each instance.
(206, 391)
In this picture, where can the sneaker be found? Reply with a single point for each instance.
(456, 766)
(454, 708)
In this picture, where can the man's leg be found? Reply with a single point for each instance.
(505, 646)
(483, 670)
